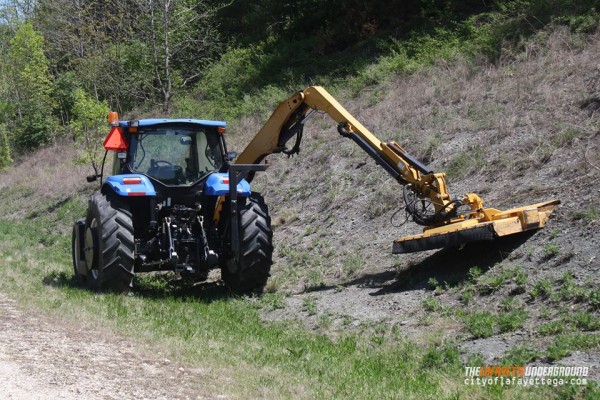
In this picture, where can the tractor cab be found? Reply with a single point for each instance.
(175, 155)
(171, 152)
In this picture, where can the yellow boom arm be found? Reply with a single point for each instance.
(425, 192)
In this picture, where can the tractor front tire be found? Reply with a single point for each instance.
(109, 244)
(251, 272)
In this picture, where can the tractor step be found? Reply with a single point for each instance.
(492, 224)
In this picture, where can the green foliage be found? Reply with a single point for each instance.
(493, 281)
(474, 273)
(436, 357)
(594, 298)
(467, 295)
(552, 328)
(89, 115)
(484, 324)
(89, 124)
(569, 290)
(274, 49)
(5, 151)
(585, 321)
(586, 215)
(32, 90)
(309, 306)
(65, 87)
(225, 333)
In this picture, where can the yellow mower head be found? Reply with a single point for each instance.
(490, 224)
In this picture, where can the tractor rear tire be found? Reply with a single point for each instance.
(77, 252)
(251, 273)
(109, 244)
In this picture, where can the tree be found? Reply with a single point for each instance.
(14, 12)
(32, 88)
(89, 125)
(183, 39)
(93, 45)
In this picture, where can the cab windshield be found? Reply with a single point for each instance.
(175, 156)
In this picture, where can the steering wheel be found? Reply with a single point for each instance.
(165, 162)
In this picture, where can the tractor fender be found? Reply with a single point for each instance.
(218, 185)
(130, 185)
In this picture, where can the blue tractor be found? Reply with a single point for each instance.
(175, 201)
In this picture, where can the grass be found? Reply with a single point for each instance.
(551, 250)
(521, 355)
(585, 321)
(431, 304)
(480, 324)
(466, 163)
(542, 289)
(564, 345)
(309, 306)
(552, 328)
(512, 320)
(495, 279)
(223, 332)
(485, 324)
(587, 215)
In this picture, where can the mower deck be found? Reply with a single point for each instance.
(492, 224)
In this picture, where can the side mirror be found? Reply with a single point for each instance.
(91, 178)
(232, 155)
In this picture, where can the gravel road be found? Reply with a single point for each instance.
(46, 358)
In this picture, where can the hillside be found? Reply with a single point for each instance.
(522, 132)
(517, 132)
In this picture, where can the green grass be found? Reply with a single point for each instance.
(551, 250)
(224, 332)
(521, 355)
(542, 289)
(485, 323)
(481, 324)
(493, 281)
(431, 304)
(511, 321)
(552, 328)
(564, 345)
(586, 215)
(466, 163)
(309, 306)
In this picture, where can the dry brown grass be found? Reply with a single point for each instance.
(43, 178)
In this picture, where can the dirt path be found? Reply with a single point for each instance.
(44, 358)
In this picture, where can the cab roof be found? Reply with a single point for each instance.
(159, 121)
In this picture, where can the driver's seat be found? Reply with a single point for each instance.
(167, 174)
